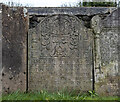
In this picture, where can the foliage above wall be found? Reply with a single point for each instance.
(92, 4)
(100, 4)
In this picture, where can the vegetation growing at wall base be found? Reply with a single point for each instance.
(44, 95)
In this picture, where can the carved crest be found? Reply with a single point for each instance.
(59, 36)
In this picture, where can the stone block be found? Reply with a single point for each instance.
(14, 48)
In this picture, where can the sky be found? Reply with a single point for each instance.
(43, 3)
(46, 3)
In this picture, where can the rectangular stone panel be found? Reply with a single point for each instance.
(14, 48)
(60, 57)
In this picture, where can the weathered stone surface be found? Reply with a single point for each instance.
(14, 40)
(69, 10)
(112, 20)
(119, 57)
(60, 49)
(0, 51)
(60, 55)
(107, 55)
(0, 6)
(96, 24)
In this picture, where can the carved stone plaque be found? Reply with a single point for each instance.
(60, 54)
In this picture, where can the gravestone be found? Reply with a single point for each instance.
(60, 54)
(14, 50)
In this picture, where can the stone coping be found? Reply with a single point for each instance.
(89, 11)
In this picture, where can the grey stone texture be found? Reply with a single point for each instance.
(68, 49)
(60, 54)
(0, 50)
(104, 24)
(14, 49)
(89, 11)
(107, 53)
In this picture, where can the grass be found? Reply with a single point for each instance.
(44, 95)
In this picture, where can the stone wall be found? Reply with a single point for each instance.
(107, 53)
(68, 48)
(104, 24)
(14, 48)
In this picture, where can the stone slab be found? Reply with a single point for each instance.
(60, 55)
(14, 48)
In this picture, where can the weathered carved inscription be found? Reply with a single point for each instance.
(61, 55)
(58, 37)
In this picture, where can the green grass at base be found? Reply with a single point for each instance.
(44, 95)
